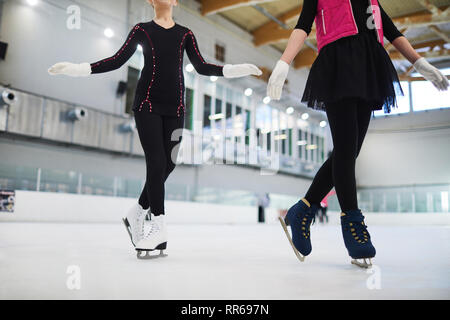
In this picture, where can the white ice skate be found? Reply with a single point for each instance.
(155, 239)
(134, 222)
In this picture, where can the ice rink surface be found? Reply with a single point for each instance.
(219, 262)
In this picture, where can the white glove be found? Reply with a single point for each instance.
(277, 79)
(70, 69)
(432, 74)
(240, 70)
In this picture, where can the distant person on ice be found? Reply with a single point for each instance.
(263, 203)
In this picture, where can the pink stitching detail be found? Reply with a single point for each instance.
(198, 52)
(147, 99)
(180, 76)
(120, 51)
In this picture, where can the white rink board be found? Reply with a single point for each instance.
(57, 207)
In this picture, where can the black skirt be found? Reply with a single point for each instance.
(353, 67)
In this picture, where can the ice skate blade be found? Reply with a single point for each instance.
(127, 226)
(363, 264)
(298, 254)
(146, 255)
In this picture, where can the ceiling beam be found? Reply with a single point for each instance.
(215, 6)
(430, 7)
(424, 18)
(271, 32)
(444, 36)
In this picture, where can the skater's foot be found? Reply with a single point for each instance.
(134, 222)
(356, 237)
(300, 217)
(148, 254)
(156, 235)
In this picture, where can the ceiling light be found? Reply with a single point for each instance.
(109, 33)
(189, 67)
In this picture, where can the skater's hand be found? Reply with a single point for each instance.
(277, 80)
(240, 70)
(70, 69)
(432, 74)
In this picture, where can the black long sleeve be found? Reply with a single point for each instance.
(122, 56)
(307, 16)
(200, 65)
(361, 14)
(390, 30)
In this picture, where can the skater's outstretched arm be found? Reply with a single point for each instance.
(406, 49)
(421, 65)
(106, 65)
(207, 69)
(295, 44)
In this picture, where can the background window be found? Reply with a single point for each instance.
(220, 52)
(133, 77)
(206, 112)
(247, 126)
(189, 116)
(426, 97)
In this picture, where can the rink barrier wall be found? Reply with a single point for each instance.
(34, 206)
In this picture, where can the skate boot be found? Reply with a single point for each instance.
(134, 222)
(155, 239)
(299, 217)
(357, 238)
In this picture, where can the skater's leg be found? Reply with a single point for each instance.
(323, 181)
(150, 129)
(343, 120)
(171, 146)
(143, 199)
(364, 115)
(172, 130)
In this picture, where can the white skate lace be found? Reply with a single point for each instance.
(154, 228)
(142, 231)
(139, 227)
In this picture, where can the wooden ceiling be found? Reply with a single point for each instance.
(426, 23)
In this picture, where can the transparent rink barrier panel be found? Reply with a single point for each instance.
(408, 199)
(405, 199)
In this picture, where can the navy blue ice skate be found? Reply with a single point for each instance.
(299, 217)
(357, 238)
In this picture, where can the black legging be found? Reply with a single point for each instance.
(349, 121)
(155, 132)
